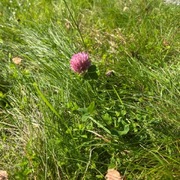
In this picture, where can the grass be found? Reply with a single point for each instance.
(55, 124)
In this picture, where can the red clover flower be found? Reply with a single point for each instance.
(80, 62)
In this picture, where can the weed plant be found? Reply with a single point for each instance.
(56, 124)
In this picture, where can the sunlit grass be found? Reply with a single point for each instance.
(56, 124)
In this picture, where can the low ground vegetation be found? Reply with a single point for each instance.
(123, 113)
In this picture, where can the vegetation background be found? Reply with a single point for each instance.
(55, 124)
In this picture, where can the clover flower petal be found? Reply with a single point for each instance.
(80, 62)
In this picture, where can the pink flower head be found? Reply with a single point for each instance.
(80, 62)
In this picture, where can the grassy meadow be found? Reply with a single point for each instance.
(124, 113)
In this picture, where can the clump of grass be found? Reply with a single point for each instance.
(60, 125)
